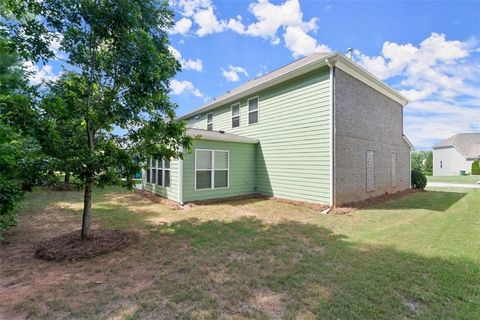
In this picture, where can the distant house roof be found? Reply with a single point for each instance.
(218, 136)
(295, 69)
(467, 144)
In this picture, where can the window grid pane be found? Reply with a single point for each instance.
(235, 110)
(167, 179)
(154, 175)
(159, 177)
(236, 122)
(204, 179)
(221, 179)
(203, 160)
(210, 127)
(253, 104)
(221, 160)
(253, 117)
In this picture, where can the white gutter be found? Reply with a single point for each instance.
(331, 65)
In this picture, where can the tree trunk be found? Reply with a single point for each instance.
(67, 178)
(87, 204)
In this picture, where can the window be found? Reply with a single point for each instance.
(236, 115)
(441, 164)
(211, 169)
(159, 173)
(210, 121)
(253, 110)
(148, 174)
(370, 170)
(393, 170)
(166, 173)
(154, 171)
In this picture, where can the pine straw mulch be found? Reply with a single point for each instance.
(71, 246)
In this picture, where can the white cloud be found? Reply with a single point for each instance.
(179, 87)
(207, 22)
(302, 44)
(189, 64)
(232, 74)
(441, 79)
(39, 74)
(272, 21)
(181, 26)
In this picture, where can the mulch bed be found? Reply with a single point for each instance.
(71, 246)
(347, 208)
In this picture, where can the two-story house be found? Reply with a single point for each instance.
(321, 129)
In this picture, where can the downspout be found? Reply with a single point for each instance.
(331, 64)
(180, 179)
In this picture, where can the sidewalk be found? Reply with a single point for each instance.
(453, 185)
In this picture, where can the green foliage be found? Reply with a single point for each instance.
(475, 167)
(422, 161)
(419, 180)
(428, 165)
(10, 197)
(116, 92)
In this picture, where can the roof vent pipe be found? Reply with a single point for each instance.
(350, 53)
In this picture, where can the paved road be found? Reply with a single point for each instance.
(452, 185)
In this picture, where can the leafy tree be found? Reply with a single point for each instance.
(119, 52)
(428, 164)
(475, 167)
(418, 158)
(22, 162)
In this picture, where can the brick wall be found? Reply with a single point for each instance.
(365, 120)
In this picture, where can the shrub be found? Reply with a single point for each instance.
(10, 196)
(475, 167)
(419, 181)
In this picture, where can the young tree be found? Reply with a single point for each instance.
(475, 170)
(428, 164)
(119, 52)
(418, 159)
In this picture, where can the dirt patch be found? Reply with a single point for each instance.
(158, 199)
(270, 303)
(353, 206)
(71, 246)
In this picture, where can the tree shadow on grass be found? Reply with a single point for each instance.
(289, 270)
(427, 200)
(247, 268)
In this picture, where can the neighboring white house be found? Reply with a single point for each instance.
(456, 154)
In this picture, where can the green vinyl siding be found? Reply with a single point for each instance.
(293, 156)
(241, 170)
(170, 193)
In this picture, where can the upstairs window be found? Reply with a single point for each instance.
(253, 110)
(236, 115)
(210, 121)
(211, 169)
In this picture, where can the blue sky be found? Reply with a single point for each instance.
(429, 51)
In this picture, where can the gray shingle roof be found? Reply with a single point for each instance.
(467, 143)
(293, 69)
(218, 136)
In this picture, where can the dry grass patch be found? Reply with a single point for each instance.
(410, 258)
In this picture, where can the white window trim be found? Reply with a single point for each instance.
(162, 167)
(258, 110)
(232, 116)
(212, 175)
(209, 122)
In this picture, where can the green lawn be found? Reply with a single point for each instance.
(415, 257)
(455, 179)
